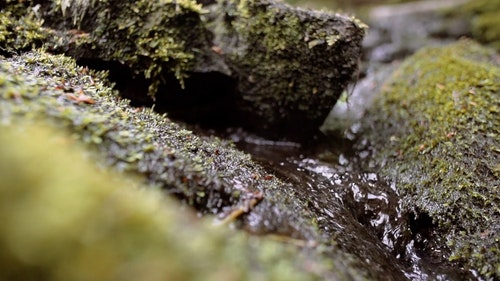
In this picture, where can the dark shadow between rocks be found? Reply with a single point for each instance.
(426, 240)
(207, 99)
(207, 102)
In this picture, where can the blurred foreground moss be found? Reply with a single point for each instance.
(436, 130)
(65, 219)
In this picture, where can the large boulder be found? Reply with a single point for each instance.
(290, 64)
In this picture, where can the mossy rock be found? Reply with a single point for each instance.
(435, 129)
(287, 65)
(291, 64)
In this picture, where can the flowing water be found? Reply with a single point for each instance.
(355, 207)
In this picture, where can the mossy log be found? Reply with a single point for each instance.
(276, 66)
(435, 129)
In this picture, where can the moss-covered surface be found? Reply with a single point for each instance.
(290, 65)
(20, 33)
(436, 132)
(154, 39)
(63, 218)
(206, 173)
(302, 76)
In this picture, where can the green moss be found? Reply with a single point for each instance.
(154, 38)
(278, 35)
(18, 33)
(437, 125)
(484, 18)
(65, 219)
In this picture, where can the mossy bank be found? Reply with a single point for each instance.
(435, 129)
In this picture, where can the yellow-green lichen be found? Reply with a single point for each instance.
(436, 127)
(278, 34)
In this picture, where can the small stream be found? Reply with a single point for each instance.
(356, 209)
